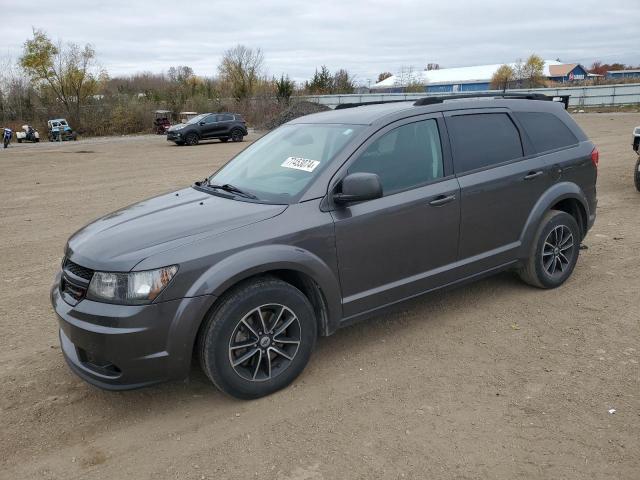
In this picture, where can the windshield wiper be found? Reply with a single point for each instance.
(227, 187)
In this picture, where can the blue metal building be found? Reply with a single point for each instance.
(620, 74)
(474, 79)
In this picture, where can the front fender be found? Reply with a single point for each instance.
(247, 263)
(555, 193)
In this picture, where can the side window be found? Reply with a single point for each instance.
(483, 139)
(404, 158)
(210, 119)
(546, 131)
(227, 118)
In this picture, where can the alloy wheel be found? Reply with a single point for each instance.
(557, 251)
(264, 342)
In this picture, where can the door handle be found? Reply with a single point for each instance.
(532, 175)
(442, 200)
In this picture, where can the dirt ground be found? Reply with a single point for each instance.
(493, 380)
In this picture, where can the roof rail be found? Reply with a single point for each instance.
(342, 106)
(524, 96)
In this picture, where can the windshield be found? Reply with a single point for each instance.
(279, 166)
(197, 118)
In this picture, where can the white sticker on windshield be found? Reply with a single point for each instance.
(300, 163)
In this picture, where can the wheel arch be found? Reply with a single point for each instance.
(296, 266)
(565, 196)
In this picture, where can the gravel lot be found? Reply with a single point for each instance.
(493, 380)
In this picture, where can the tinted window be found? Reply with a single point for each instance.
(546, 131)
(481, 140)
(210, 119)
(405, 157)
(227, 117)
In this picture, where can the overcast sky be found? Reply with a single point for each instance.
(365, 37)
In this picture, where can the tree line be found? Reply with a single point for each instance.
(52, 79)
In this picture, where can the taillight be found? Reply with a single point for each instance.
(595, 156)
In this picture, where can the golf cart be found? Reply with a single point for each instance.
(28, 134)
(161, 121)
(59, 130)
(186, 116)
(635, 142)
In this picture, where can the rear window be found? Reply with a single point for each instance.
(546, 131)
(483, 139)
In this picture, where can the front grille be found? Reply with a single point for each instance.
(78, 270)
(75, 281)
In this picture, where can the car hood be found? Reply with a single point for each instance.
(122, 239)
(178, 126)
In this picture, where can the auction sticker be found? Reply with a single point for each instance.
(300, 163)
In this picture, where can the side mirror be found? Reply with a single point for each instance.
(200, 123)
(358, 187)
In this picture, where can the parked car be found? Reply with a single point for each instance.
(324, 221)
(28, 134)
(205, 126)
(161, 121)
(59, 129)
(635, 143)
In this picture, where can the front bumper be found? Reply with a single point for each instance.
(120, 347)
(174, 137)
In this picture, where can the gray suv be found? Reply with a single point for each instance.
(320, 223)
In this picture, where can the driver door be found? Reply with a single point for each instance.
(208, 126)
(404, 243)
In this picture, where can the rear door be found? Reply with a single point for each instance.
(401, 244)
(226, 122)
(500, 179)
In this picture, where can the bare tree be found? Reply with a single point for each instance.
(242, 68)
(384, 76)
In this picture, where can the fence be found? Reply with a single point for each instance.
(594, 96)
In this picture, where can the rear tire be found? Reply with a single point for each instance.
(554, 251)
(258, 338)
(636, 175)
(236, 135)
(191, 139)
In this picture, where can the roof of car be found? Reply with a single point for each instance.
(362, 115)
(370, 114)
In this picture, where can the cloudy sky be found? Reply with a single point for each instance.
(365, 37)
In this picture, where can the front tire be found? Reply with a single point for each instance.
(636, 175)
(258, 338)
(191, 139)
(554, 252)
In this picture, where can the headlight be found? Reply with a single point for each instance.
(133, 288)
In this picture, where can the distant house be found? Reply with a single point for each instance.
(619, 74)
(567, 72)
(477, 78)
